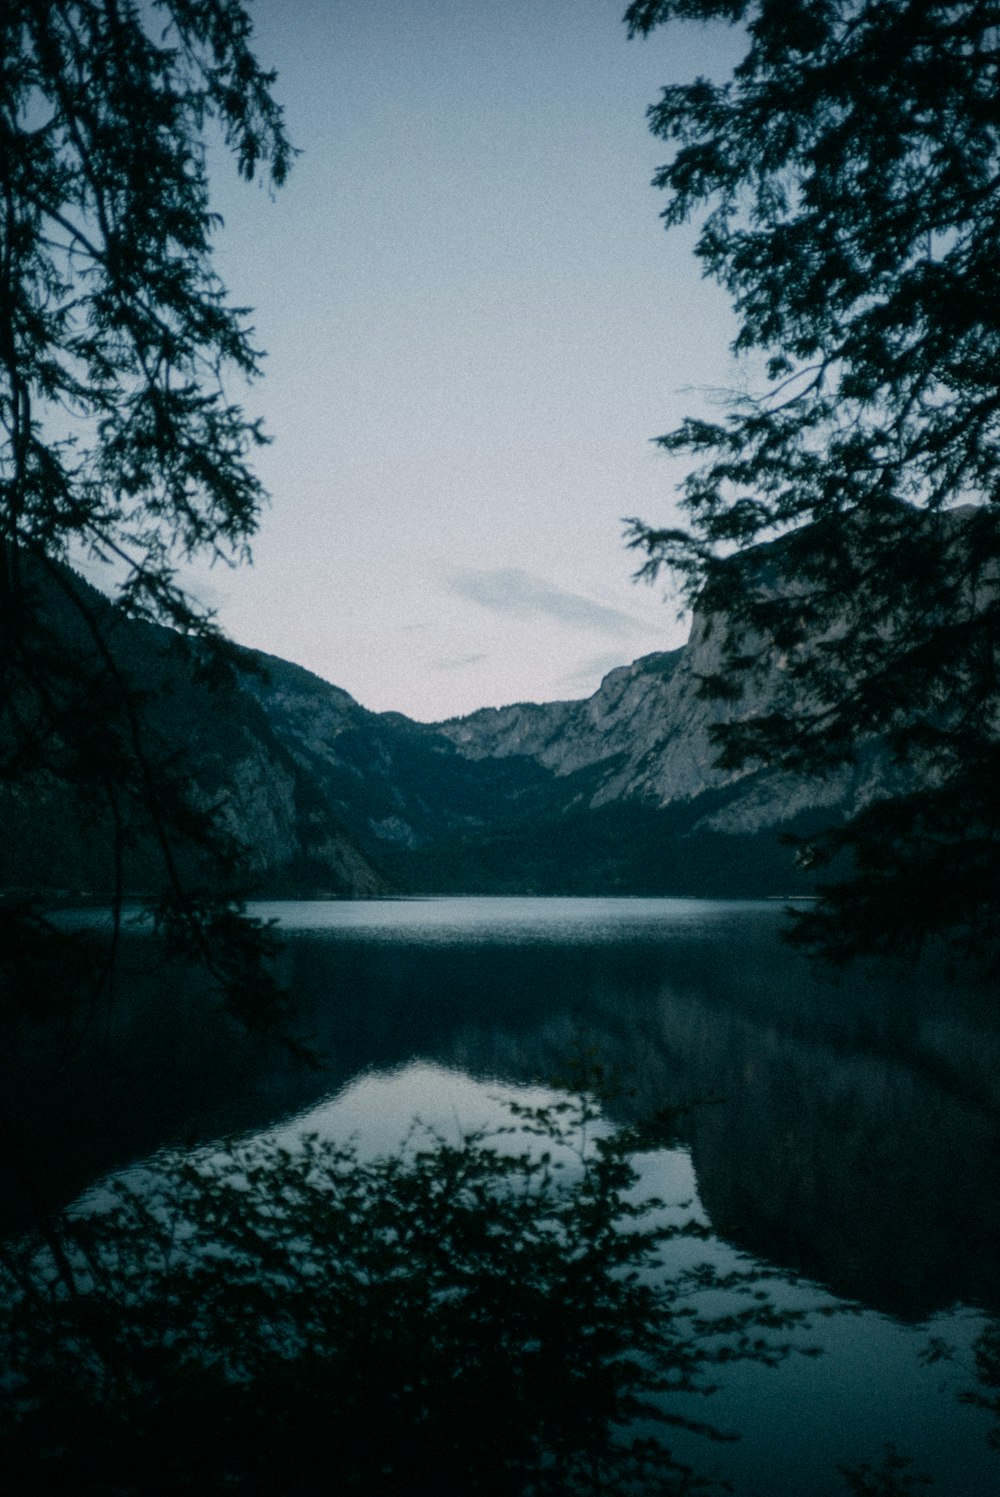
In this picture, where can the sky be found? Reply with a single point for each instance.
(475, 323)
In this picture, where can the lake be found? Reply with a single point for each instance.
(843, 1134)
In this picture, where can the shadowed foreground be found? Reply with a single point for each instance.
(487, 1316)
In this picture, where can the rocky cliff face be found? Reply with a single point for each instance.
(623, 787)
(631, 707)
(294, 843)
(616, 792)
(620, 790)
(647, 730)
(643, 736)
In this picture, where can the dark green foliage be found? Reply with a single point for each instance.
(986, 1394)
(613, 850)
(485, 1315)
(846, 185)
(117, 436)
(111, 310)
(894, 1478)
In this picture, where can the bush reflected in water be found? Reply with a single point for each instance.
(490, 1315)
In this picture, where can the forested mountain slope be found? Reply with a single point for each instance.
(616, 793)
(204, 730)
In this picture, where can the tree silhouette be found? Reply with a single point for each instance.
(846, 183)
(487, 1314)
(119, 441)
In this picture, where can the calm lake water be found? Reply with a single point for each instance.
(846, 1137)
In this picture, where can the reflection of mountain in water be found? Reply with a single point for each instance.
(860, 1164)
(856, 1132)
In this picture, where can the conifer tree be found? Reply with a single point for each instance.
(845, 181)
(118, 436)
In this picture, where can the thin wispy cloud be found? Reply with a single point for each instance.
(517, 594)
(458, 662)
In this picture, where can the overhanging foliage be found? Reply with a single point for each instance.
(846, 184)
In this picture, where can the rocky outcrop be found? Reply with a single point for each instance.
(621, 790)
(293, 842)
(648, 730)
(630, 707)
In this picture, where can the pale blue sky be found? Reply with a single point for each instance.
(475, 323)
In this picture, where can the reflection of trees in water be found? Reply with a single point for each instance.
(858, 1122)
(893, 1477)
(858, 1125)
(845, 1109)
(845, 1163)
(484, 1316)
(986, 1394)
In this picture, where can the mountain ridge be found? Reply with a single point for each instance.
(208, 737)
(617, 792)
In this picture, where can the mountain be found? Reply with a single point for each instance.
(616, 793)
(57, 811)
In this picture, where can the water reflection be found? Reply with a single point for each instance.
(857, 1125)
(475, 1313)
(848, 1130)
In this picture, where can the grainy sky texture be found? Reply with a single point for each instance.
(475, 323)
